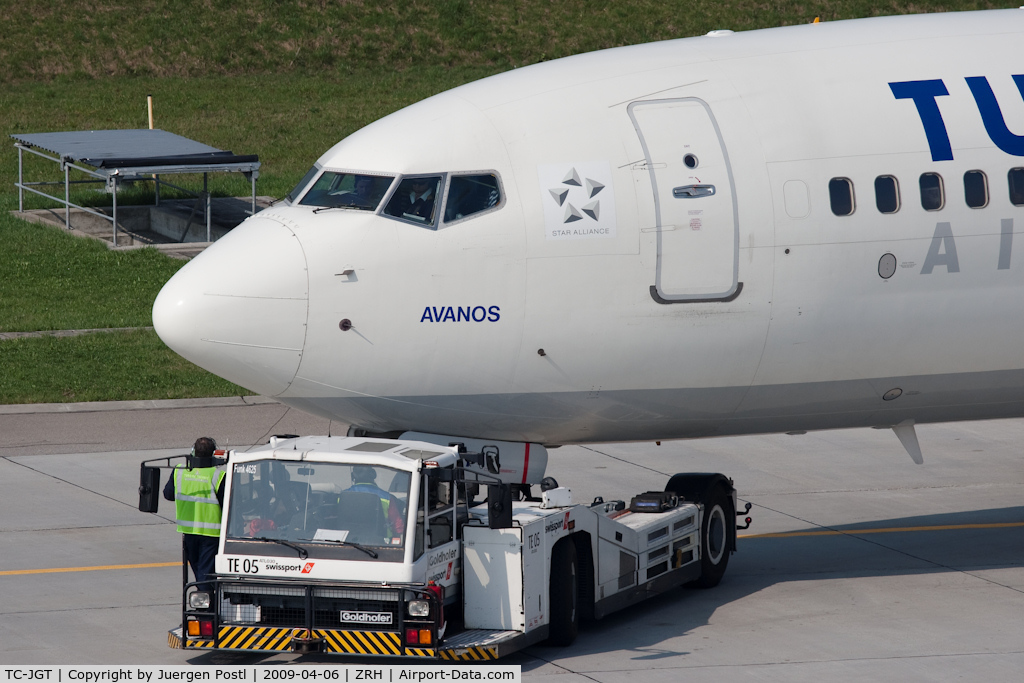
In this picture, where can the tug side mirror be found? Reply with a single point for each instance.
(149, 489)
(492, 460)
(499, 506)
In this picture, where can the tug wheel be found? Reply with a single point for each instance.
(716, 539)
(563, 587)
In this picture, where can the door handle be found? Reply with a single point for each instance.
(690, 191)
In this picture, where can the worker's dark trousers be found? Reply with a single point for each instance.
(201, 552)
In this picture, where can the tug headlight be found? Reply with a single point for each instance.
(199, 600)
(419, 608)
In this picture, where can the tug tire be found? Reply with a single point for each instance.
(563, 589)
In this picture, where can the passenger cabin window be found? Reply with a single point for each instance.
(1016, 180)
(887, 194)
(471, 194)
(975, 189)
(840, 192)
(347, 191)
(306, 179)
(932, 198)
(416, 200)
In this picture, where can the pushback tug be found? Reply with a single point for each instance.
(367, 546)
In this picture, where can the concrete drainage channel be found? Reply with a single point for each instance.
(66, 333)
(174, 226)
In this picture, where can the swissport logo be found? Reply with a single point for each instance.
(308, 568)
(366, 617)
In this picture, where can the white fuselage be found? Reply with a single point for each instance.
(665, 260)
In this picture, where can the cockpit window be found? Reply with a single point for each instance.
(471, 194)
(416, 200)
(306, 179)
(347, 191)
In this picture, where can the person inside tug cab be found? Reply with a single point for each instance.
(364, 480)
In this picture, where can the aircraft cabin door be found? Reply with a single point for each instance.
(694, 201)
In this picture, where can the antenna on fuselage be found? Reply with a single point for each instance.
(908, 437)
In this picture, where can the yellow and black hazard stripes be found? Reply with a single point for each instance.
(198, 644)
(470, 654)
(254, 638)
(361, 642)
(280, 640)
(174, 640)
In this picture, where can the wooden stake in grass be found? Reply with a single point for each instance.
(156, 181)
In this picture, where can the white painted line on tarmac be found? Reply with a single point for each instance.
(886, 530)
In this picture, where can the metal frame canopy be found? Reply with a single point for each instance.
(116, 156)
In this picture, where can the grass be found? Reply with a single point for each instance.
(110, 366)
(52, 281)
(94, 39)
(285, 80)
(288, 120)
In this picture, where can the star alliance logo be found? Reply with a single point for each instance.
(578, 200)
(593, 187)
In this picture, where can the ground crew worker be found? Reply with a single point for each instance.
(364, 480)
(198, 495)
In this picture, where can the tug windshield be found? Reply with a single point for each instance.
(347, 191)
(319, 503)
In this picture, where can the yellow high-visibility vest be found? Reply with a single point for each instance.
(195, 500)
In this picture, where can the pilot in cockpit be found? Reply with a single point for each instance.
(415, 199)
(363, 190)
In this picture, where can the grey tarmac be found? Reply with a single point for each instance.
(859, 565)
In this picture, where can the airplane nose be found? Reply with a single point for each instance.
(239, 308)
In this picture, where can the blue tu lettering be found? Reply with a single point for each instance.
(992, 116)
(924, 93)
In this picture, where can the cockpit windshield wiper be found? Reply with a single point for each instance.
(303, 553)
(348, 543)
